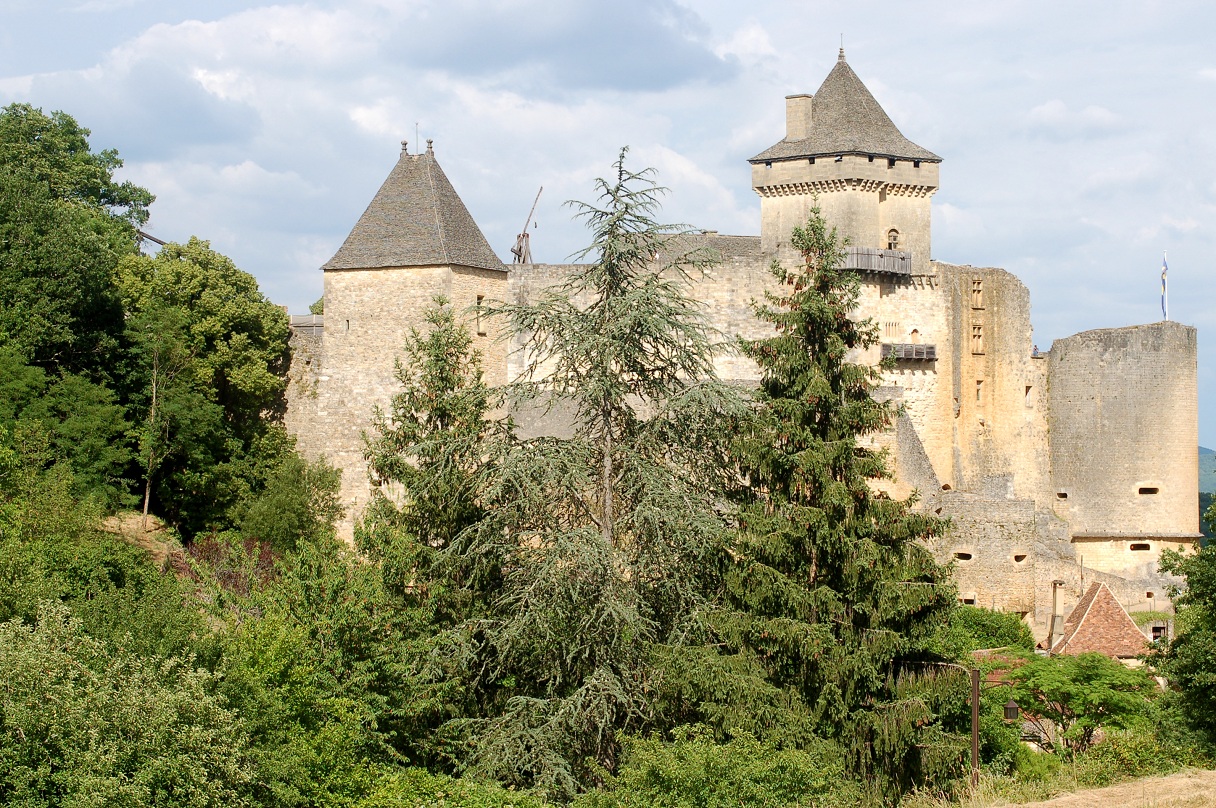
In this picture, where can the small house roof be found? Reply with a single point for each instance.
(1100, 623)
(415, 219)
(846, 119)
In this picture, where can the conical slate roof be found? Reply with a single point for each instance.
(415, 219)
(846, 119)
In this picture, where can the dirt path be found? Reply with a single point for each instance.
(1187, 789)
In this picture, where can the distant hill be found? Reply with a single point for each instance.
(1207, 470)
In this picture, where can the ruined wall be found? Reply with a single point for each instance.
(991, 543)
(999, 433)
(1124, 431)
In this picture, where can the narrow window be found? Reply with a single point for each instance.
(890, 162)
(348, 326)
(979, 391)
(892, 239)
(481, 329)
(1019, 558)
(977, 293)
(1028, 399)
(870, 158)
(977, 338)
(968, 601)
(1061, 495)
(963, 556)
(1147, 491)
(916, 163)
(1139, 547)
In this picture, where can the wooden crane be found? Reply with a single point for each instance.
(523, 249)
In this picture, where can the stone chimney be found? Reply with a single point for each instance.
(798, 116)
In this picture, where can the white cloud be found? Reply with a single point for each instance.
(1057, 118)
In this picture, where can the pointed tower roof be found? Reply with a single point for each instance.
(1100, 623)
(846, 119)
(415, 219)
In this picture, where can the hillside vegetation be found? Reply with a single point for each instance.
(696, 599)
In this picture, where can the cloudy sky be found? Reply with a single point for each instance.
(1079, 138)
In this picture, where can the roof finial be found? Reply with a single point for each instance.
(405, 146)
(840, 58)
(429, 148)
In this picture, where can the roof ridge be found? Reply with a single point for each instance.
(443, 242)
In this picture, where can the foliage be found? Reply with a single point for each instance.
(83, 423)
(50, 549)
(299, 504)
(418, 788)
(209, 355)
(1079, 695)
(64, 224)
(1190, 660)
(592, 551)
(317, 307)
(974, 628)
(84, 724)
(54, 150)
(832, 591)
(694, 771)
(428, 447)
(58, 307)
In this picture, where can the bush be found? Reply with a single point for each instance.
(83, 724)
(1034, 766)
(693, 771)
(417, 788)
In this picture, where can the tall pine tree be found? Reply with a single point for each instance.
(608, 539)
(832, 591)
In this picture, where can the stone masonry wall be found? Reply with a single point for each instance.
(1124, 431)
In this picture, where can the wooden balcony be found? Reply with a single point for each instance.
(903, 351)
(871, 259)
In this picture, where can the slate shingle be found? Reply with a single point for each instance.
(846, 119)
(415, 219)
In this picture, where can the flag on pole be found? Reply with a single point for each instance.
(1165, 301)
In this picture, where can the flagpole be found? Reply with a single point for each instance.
(1165, 294)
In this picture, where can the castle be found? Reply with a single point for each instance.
(1057, 469)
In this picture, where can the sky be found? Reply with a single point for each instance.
(1079, 139)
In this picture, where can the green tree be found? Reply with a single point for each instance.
(607, 541)
(54, 151)
(1079, 695)
(82, 421)
(209, 359)
(832, 591)
(1190, 660)
(64, 224)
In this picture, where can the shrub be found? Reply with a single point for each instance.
(693, 771)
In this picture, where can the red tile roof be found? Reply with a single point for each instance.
(1100, 623)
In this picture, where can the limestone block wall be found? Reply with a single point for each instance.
(911, 310)
(1124, 432)
(991, 543)
(999, 431)
(862, 196)
(725, 294)
(338, 380)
